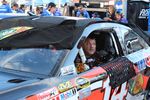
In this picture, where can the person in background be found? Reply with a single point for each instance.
(15, 8)
(71, 7)
(57, 12)
(119, 17)
(30, 11)
(5, 8)
(38, 11)
(96, 15)
(82, 12)
(22, 8)
(66, 10)
(50, 11)
(110, 14)
(75, 10)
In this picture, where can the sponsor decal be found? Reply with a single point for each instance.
(144, 13)
(147, 61)
(82, 82)
(12, 31)
(68, 70)
(48, 94)
(68, 94)
(84, 93)
(65, 86)
(135, 84)
(141, 65)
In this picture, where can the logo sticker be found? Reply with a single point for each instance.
(141, 65)
(65, 86)
(12, 31)
(68, 94)
(84, 93)
(68, 70)
(82, 82)
(144, 13)
(48, 94)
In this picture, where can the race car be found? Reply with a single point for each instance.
(38, 60)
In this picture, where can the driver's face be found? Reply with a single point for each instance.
(89, 47)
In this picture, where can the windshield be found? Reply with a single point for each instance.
(38, 61)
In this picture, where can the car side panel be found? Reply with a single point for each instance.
(90, 85)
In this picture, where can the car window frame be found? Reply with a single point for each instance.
(121, 37)
(114, 42)
(90, 28)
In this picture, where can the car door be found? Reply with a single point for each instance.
(107, 81)
(118, 69)
(136, 49)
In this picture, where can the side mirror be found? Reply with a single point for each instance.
(133, 45)
(129, 45)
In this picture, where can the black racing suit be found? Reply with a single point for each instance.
(92, 61)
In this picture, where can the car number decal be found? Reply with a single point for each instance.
(106, 92)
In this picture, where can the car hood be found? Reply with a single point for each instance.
(16, 87)
(10, 81)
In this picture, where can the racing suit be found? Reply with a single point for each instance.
(92, 61)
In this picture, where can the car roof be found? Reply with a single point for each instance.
(36, 31)
(41, 31)
(36, 21)
(7, 15)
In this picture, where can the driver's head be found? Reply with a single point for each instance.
(89, 46)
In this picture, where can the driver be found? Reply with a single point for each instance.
(93, 58)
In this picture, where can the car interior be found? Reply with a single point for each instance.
(104, 45)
